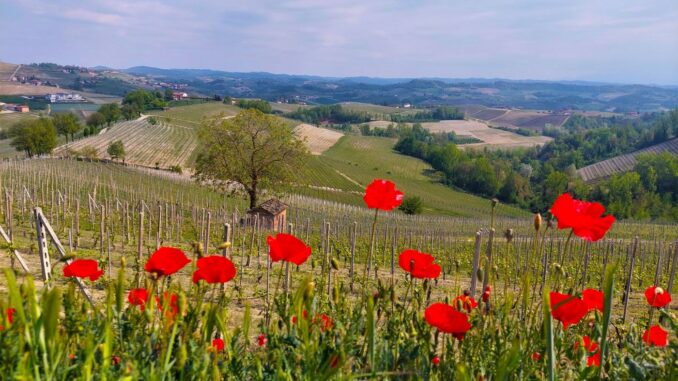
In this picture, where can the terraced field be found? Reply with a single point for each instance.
(623, 163)
(499, 117)
(192, 115)
(145, 144)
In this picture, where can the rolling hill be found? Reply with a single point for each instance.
(623, 163)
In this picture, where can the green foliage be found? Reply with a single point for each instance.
(328, 114)
(66, 124)
(110, 112)
(95, 120)
(130, 111)
(252, 149)
(144, 100)
(34, 137)
(412, 205)
(435, 115)
(116, 150)
(33, 103)
(257, 104)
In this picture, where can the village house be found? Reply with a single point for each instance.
(271, 214)
(178, 95)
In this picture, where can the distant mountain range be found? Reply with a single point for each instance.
(492, 92)
(418, 92)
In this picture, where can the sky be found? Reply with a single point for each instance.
(597, 40)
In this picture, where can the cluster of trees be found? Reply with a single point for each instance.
(34, 137)
(434, 115)
(257, 104)
(416, 132)
(532, 178)
(138, 101)
(333, 114)
(585, 141)
(650, 191)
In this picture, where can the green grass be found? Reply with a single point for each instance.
(192, 115)
(362, 159)
(9, 119)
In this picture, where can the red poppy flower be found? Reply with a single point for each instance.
(166, 261)
(10, 317)
(657, 297)
(536, 356)
(334, 361)
(382, 194)
(486, 294)
(214, 269)
(261, 340)
(464, 303)
(172, 305)
(304, 313)
(435, 360)
(567, 309)
(593, 299)
(447, 319)
(286, 247)
(138, 297)
(116, 360)
(218, 344)
(419, 265)
(83, 268)
(584, 218)
(656, 336)
(591, 347)
(325, 323)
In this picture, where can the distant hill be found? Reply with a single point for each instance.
(422, 92)
(623, 163)
(418, 92)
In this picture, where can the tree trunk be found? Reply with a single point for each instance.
(253, 197)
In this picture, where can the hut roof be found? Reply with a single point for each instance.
(272, 206)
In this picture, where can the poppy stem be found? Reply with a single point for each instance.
(368, 265)
(275, 293)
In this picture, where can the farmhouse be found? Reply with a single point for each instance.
(178, 95)
(64, 98)
(15, 108)
(272, 214)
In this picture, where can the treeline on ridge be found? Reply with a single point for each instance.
(532, 178)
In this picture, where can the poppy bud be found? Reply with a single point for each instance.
(308, 291)
(335, 294)
(224, 245)
(508, 234)
(537, 221)
(182, 356)
(393, 295)
(181, 304)
(334, 263)
(479, 274)
(123, 261)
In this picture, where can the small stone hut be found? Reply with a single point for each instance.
(272, 214)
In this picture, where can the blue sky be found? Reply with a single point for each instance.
(607, 40)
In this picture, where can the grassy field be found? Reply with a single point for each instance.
(355, 160)
(191, 116)
(9, 119)
(377, 329)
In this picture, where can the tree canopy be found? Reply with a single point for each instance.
(66, 124)
(252, 149)
(34, 137)
(116, 150)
